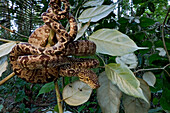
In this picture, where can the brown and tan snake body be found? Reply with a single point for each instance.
(36, 63)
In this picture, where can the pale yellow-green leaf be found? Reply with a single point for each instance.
(113, 42)
(82, 30)
(76, 93)
(124, 78)
(108, 95)
(162, 51)
(93, 3)
(6, 48)
(129, 60)
(3, 64)
(136, 105)
(96, 13)
(150, 78)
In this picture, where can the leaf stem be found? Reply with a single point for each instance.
(58, 97)
(7, 78)
(101, 59)
(163, 38)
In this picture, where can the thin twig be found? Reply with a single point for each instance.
(58, 97)
(13, 31)
(163, 38)
(151, 69)
(7, 78)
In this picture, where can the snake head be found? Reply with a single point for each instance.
(89, 77)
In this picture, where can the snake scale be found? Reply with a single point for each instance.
(36, 62)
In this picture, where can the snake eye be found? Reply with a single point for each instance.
(87, 79)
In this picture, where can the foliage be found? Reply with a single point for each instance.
(132, 43)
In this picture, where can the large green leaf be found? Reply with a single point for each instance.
(93, 3)
(113, 42)
(145, 22)
(108, 95)
(159, 43)
(46, 88)
(124, 78)
(165, 98)
(96, 13)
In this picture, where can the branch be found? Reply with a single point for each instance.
(163, 38)
(13, 31)
(8, 41)
(58, 97)
(7, 78)
(154, 69)
(5, 40)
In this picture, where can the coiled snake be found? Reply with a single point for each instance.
(37, 63)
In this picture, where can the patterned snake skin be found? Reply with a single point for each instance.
(36, 62)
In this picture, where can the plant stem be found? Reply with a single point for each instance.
(5, 40)
(7, 78)
(154, 69)
(101, 59)
(163, 38)
(13, 31)
(58, 97)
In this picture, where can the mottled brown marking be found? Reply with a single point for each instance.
(71, 71)
(41, 49)
(61, 27)
(58, 30)
(42, 57)
(66, 35)
(64, 47)
(62, 39)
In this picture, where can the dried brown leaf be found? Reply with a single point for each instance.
(108, 95)
(137, 105)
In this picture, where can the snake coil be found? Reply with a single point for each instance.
(36, 63)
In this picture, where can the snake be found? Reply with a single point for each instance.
(36, 63)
